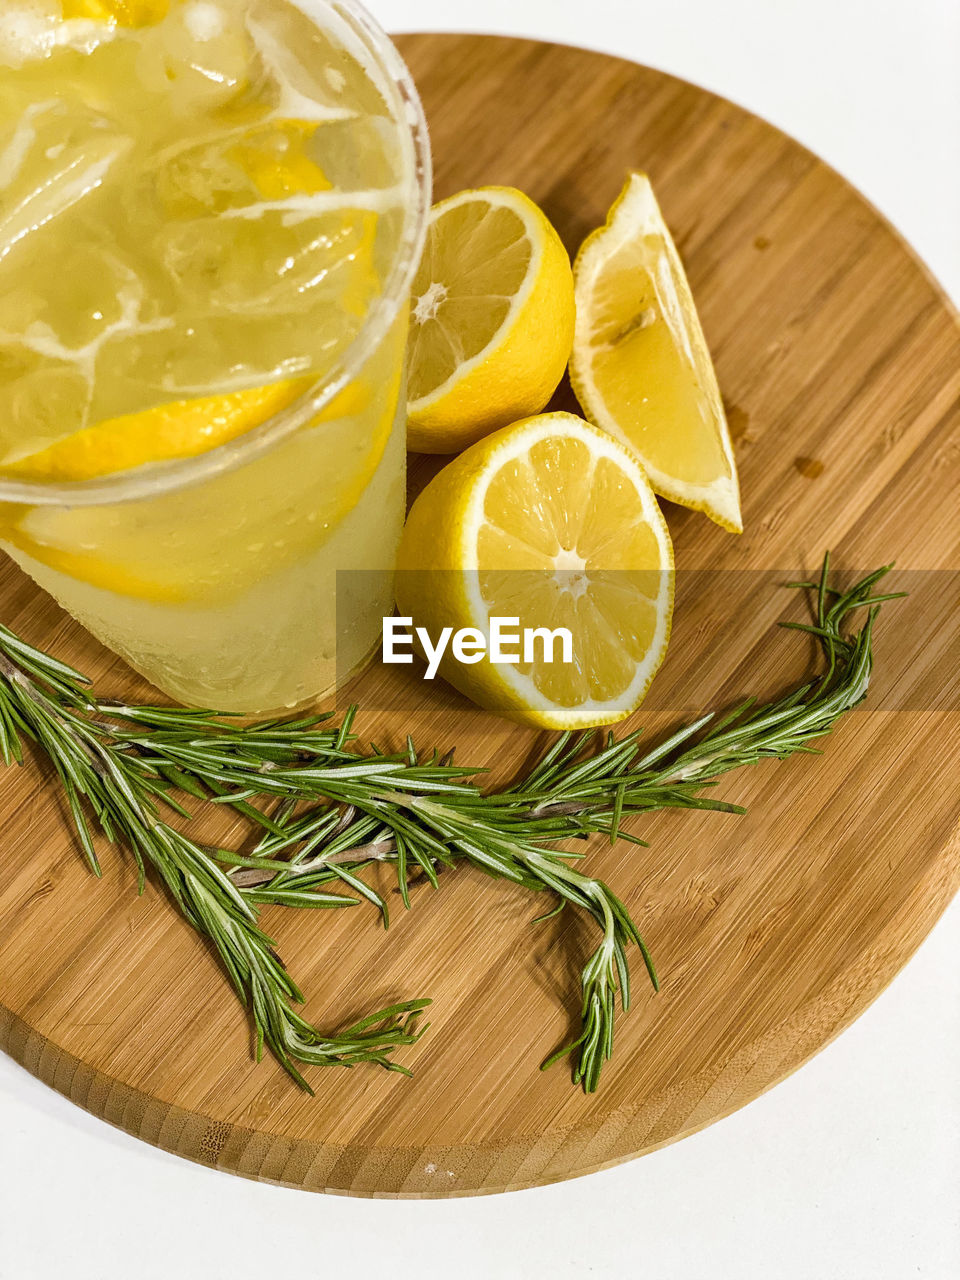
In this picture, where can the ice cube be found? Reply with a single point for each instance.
(40, 401)
(296, 59)
(75, 177)
(200, 50)
(31, 30)
(243, 265)
(236, 168)
(27, 31)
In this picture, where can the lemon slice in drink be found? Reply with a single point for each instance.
(640, 366)
(136, 549)
(492, 322)
(126, 13)
(552, 523)
(166, 433)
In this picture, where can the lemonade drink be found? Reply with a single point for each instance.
(210, 212)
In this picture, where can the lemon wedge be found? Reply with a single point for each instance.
(492, 322)
(554, 524)
(640, 367)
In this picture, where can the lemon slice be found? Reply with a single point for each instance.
(492, 323)
(166, 433)
(552, 523)
(118, 548)
(641, 368)
(126, 13)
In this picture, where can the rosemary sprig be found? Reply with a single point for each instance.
(47, 702)
(419, 815)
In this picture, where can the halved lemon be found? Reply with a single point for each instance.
(640, 366)
(493, 317)
(553, 524)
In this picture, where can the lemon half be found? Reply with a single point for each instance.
(553, 523)
(493, 317)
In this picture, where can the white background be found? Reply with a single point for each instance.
(848, 1171)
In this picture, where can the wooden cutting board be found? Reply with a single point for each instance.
(840, 362)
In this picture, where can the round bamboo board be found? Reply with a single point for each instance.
(840, 363)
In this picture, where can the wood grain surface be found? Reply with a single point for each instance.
(839, 359)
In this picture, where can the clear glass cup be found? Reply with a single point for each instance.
(216, 575)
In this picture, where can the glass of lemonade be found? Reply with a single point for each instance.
(210, 216)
